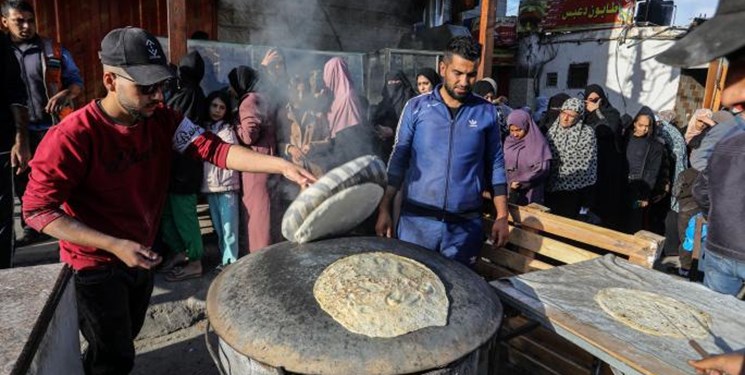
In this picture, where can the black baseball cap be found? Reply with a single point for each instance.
(717, 37)
(138, 53)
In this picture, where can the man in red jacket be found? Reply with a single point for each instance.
(108, 165)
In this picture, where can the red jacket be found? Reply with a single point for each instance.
(112, 178)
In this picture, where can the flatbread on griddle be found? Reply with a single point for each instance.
(382, 295)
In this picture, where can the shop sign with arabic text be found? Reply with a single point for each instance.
(586, 14)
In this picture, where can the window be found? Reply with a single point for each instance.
(578, 75)
(552, 79)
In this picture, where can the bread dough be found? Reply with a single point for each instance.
(653, 314)
(340, 213)
(382, 295)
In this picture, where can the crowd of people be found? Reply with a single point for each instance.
(578, 156)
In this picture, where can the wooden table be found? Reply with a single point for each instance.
(607, 339)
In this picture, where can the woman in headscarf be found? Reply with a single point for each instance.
(305, 138)
(574, 164)
(351, 136)
(703, 124)
(426, 80)
(527, 159)
(699, 122)
(255, 129)
(606, 121)
(552, 113)
(648, 172)
(666, 210)
(487, 89)
(396, 92)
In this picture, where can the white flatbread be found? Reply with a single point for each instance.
(653, 314)
(340, 213)
(382, 295)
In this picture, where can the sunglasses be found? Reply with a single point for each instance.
(594, 100)
(145, 89)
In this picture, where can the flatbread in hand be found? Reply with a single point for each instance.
(382, 295)
(653, 314)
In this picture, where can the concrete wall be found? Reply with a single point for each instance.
(59, 350)
(625, 67)
(331, 25)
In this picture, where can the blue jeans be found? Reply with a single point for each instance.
(224, 213)
(723, 275)
(460, 241)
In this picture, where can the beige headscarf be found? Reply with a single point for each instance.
(693, 129)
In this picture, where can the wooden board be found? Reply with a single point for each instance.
(638, 250)
(512, 260)
(549, 247)
(615, 352)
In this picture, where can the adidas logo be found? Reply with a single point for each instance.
(473, 123)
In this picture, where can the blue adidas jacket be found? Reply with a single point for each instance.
(445, 161)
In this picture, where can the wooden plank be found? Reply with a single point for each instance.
(597, 342)
(486, 36)
(657, 243)
(544, 354)
(491, 271)
(512, 260)
(549, 247)
(616, 242)
(176, 30)
(559, 345)
(526, 361)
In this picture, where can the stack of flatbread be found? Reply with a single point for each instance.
(339, 201)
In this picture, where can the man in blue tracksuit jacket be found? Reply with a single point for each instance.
(447, 146)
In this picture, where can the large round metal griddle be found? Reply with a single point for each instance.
(263, 307)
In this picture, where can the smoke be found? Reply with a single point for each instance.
(323, 25)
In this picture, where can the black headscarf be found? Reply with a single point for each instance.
(189, 98)
(553, 111)
(611, 115)
(431, 75)
(243, 80)
(644, 155)
(481, 88)
(396, 95)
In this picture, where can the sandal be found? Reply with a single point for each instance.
(172, 263)
(184, 273)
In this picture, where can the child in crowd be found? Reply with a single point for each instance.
(222, 186)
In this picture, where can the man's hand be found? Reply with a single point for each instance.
(500, 232)
(20, 155)
(55, 103)
(514, 185)
(135, 255)
(384, 225)
(730, 363)
(298, 175)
